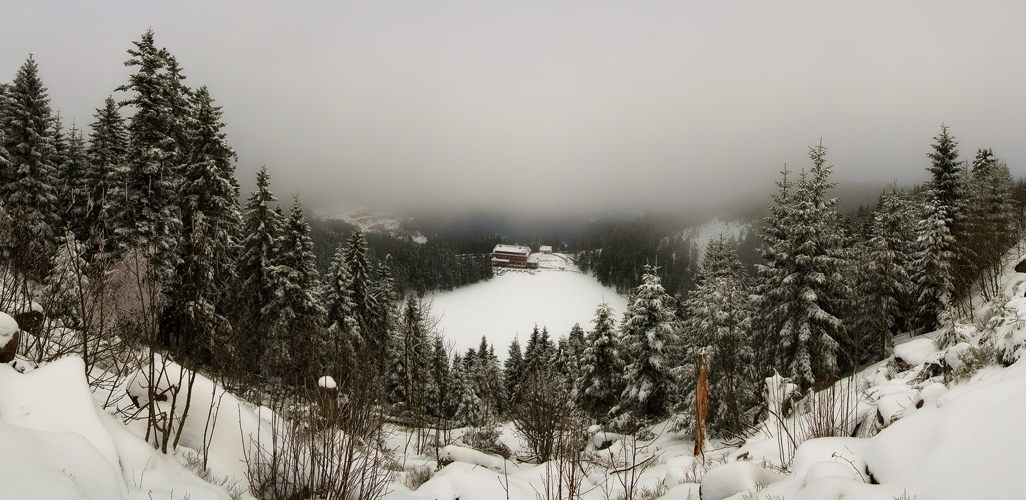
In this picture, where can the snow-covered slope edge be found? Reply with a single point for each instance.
(57, 443)
(951, 417)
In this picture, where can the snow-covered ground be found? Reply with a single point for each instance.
(922, 433)
(508, 306)
(904, 428)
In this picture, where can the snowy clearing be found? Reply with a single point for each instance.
(509, 306)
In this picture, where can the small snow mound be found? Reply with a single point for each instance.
(915, 352)
(8, 327)
(453, 453)
(326, 382)
(736, 477)
(830, 468)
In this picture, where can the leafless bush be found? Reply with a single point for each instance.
(831, 411)
(625, 461)
(310, 457)
(486, 439)
(544, 414)
(418, 476)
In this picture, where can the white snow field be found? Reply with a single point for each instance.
(508, 306)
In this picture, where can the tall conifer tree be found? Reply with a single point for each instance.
(107, 152)
(800, 286)
(649, 335)
(294, 312)
(30, 193)
(601, 380)
(263, 225)
(152, 216)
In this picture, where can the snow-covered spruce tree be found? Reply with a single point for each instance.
(211, 225)
(933, 262)
(72, 184)
(950, 334)
(601, 380)
(469, 410)
(152, 223)
(540, 351)
(649, 335)
(442, 378)
(409, 359)
(946, 171)
(770, 273)
(294, 313)
(64, 290)
(382, 325)
(513, 370)
(108, 149)
(29, 191)
(800, 287)
(488, 379)
(569, 351)
(6, 167)
(261, 231)
(947, 187)
(885, 284)
(363, 298)
(342, 336)
(989, 218)
(719, 324)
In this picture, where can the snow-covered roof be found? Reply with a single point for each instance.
(511, 249)
(545, 248)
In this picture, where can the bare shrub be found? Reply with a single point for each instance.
(486, 440)
(831, 411)
(543, 414)
(418, 476)
(310, 456)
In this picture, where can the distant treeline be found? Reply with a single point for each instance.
(617, 254)
(439, 264)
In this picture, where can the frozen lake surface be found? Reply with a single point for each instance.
(509, 306)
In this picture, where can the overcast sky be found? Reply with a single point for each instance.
(568, 105)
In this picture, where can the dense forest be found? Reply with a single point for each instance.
(136, 240)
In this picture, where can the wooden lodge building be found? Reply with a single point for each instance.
(514, 256)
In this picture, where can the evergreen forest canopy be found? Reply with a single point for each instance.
(136, 239)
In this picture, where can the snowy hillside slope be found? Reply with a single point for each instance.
(58, 443)
(367, 219)
(700, 236)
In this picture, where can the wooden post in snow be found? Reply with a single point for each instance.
(701, 403)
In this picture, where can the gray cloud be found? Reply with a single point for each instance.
(558, 104)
